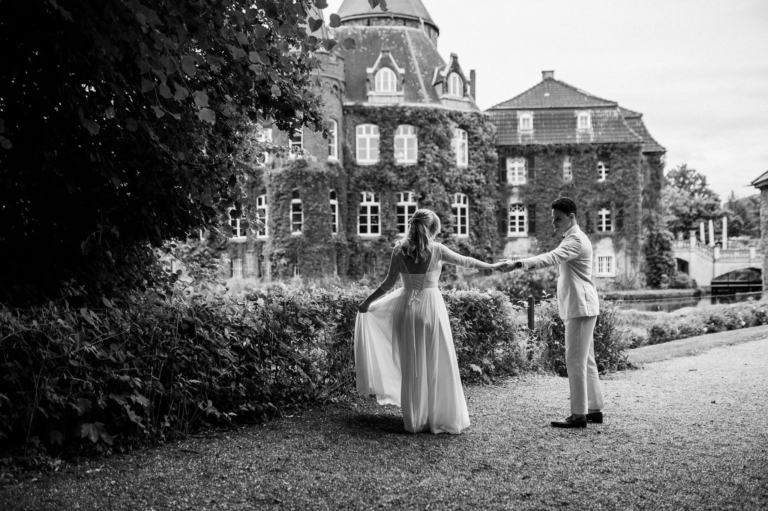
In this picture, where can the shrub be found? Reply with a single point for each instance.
(517, 286)
(609, 339)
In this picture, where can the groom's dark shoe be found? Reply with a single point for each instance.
(571, 422)
(596, 417)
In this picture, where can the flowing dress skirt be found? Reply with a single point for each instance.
(404, 355)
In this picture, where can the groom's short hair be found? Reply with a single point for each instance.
(565, 205)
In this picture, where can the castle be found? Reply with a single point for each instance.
(406, 133)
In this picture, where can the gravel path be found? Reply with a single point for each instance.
(685, 433)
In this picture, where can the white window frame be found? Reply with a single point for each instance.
(602, 171)
(605, 265)
(521, 212)
(406, 144)
(517, 171)
(238, 233)
(265, 135)
(369, 201)
(295, 147)
(604, 220)
(460, 211)
(262, 212)
(406, 206)
(296, 207)
(584, 121)
(525, 122)
(567, 168)
(367, 144)
(455, 85)
(237, 268)
(333, 143)
(460, 143)
(334, 204)
(386, 80)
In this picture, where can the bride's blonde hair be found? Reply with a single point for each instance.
(422, 229)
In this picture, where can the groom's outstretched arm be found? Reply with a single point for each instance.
(569, 248)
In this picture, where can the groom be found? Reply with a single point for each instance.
(578, 307)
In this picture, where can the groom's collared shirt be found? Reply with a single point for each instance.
(576, 293)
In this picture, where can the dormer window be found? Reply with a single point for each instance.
(584, 121)
(525, 122)
(455, 85)
(386, 81)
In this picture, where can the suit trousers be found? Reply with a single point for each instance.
(580, 362)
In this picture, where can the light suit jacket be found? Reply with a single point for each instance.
(576, 293)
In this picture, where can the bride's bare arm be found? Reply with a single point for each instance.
(385, 287)
(451, 257)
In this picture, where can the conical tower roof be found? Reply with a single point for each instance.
(399, 9)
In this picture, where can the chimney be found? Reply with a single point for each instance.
(472, 84)
(547, 75)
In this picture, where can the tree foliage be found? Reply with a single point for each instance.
(127, 123)
(660, 266)
(688, 199)
(743, 215)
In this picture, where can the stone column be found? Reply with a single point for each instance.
(702, 238)
(692, 238)
(711, 233)
(725, 233)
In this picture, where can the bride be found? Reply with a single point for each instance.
(403, 344)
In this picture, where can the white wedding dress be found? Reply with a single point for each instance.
(404, 350)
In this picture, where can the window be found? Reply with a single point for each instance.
(460, 147)
(584, 121)
(367, 143)
(368, 219)
(525, 122)
(386, 80)
(265, 136)
(604, 220)
(297, 213)
(567, 169)
(602, 171)
(333, 141)
(296, 143)
(236, 268)
(605, 266)
(334, 213)
(262, 212)
(516, 171)
(518, 220)
(406, 207)
(455, 85)
(460, 211)
(406, 144)
(239, 225)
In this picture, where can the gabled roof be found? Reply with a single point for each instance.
(409, 9)
(762, 181)
(551, 93)
(409, 47)
(636, 124)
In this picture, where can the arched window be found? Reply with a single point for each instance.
(455, 85)
(406, 207)
(239, 225)
(516, 171)
(518, 220)
(386, 80)
(368, 219)
(334, 212)
(333, 141)
(262, 212)
(460, 147)
(604, 223)
(297, 213)
(602, 171)
(460, 211)
(367, 143)
(406, 144)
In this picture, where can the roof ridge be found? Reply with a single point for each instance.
(514, 98)
(581, 91)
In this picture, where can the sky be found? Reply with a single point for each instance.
(696, 69)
